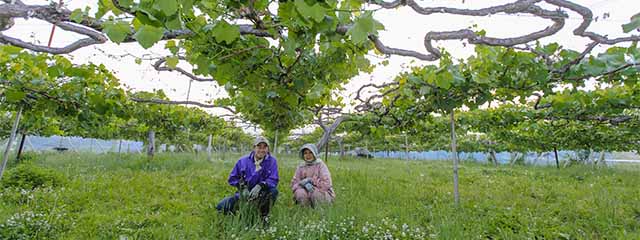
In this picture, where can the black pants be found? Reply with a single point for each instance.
(266, 198)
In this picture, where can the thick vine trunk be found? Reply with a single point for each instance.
(209, 148)
(555, 152)
(406, 146)
(538, 156)
(341, 146)
(12, 137)
(224, 149)
(275, 143)
(120, 149)
(601, 160)
(515, 157)
(328, 131)
(454, 151)
(152, 145)
(21, 147)
(492, 156)
(326, 153)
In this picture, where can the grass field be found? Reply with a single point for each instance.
(174, 196)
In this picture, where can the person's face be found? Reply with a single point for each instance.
(261, 150)
(308, 155)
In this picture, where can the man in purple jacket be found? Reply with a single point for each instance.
(256, 177)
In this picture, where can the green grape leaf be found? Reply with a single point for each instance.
(364, 26)
(291, 99)
(10, 49)
(316, 91)
(77, 15)
(147, 35)
(424, 90)
(168, 7)
(481, 77)
(136, 24)
(315, 11)
(104, 6)
(13, 95)
(224, 32)
(171, 45)
(172, 62)
(550, 49)
(125, 3)
(634, 24)
(174, 23)
(145, 17)
(261, 4)
(444, 80)
(116, 31)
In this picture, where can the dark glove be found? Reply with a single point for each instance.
(255, 192)
(244, 193)
(309, 187)
(304, 181)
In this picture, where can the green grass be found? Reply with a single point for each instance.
(174, 197)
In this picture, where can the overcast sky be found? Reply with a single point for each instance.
(404, 29)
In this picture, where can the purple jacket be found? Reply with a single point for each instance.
(245, 168)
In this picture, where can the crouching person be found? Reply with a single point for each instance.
(311, 183)
(256, 177)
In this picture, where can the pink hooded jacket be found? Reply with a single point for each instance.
(319, 174)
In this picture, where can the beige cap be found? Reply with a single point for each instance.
(260, 139)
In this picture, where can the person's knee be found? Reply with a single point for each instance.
(226, 205)
(301, 196)
(301, 193)
(273, 192)
(320, 197)
(220, 206)
(317, 196)
(270, 193)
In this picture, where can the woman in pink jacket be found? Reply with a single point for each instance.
(312, 182)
